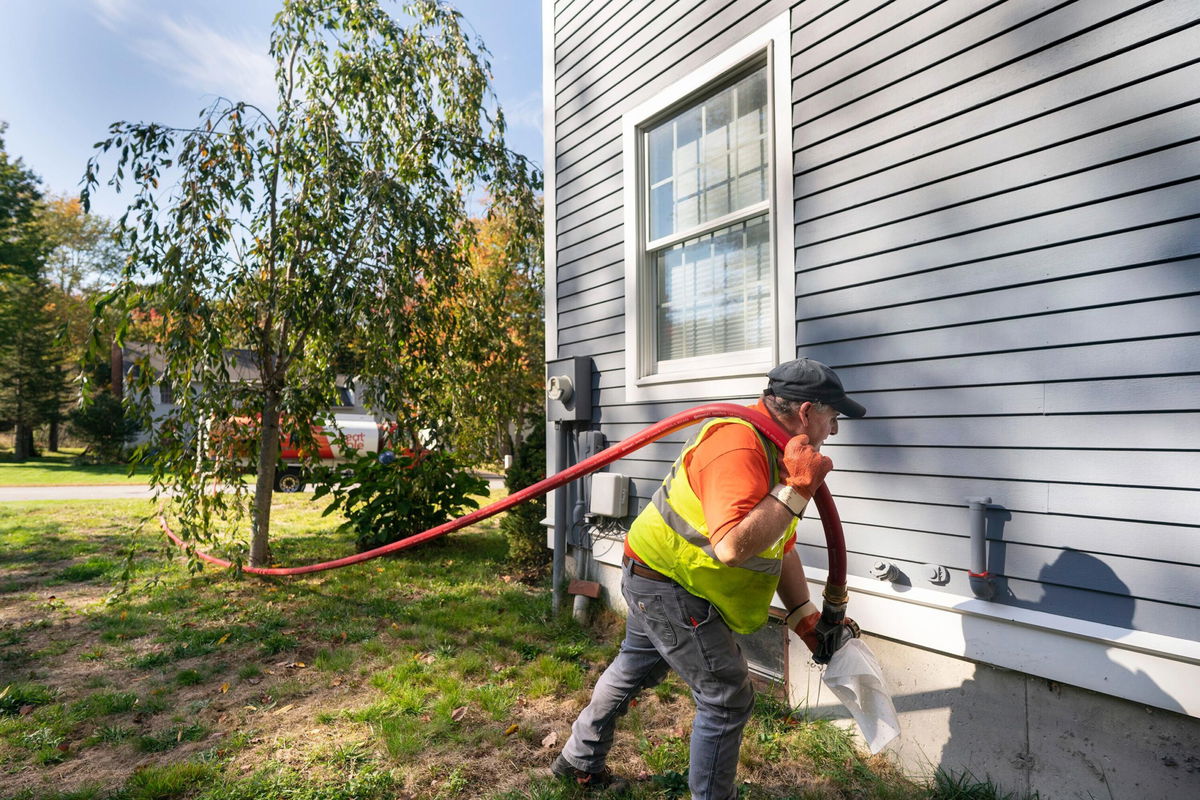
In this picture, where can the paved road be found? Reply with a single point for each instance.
(17, 493)
(95, 492)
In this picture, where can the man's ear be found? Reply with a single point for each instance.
(802, 413)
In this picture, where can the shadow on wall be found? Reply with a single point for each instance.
(1037, 726)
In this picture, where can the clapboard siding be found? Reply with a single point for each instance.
(602, 193)
(1174, 279)
(978, 77)
(980, 167)
(1132, 153)
(583, 292)
(1162, 581)
(647, 50)
(1009, 42)
(599, 206)
(1124, 178)
(881, 519)
(997, 244)
(1149, 358)
(881, 34)
(836, 343)
(828, 166)
(1048, 267)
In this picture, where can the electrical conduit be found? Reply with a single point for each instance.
(834, 540)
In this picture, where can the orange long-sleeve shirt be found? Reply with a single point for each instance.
(728, 471)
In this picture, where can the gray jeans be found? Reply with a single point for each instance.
(669, 628)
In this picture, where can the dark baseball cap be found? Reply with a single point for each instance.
(806, 379)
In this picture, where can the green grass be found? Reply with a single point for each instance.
(425, 675)
(63, 469)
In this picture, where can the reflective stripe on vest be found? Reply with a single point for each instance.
(671, 536)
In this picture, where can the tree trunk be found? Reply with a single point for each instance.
(22, 442)
(268, 457)
(53, 445)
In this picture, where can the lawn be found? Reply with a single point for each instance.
(60, 469)
(432, 675)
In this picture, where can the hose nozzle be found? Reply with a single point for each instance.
(834, 628)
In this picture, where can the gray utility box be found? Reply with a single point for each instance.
(569, 390)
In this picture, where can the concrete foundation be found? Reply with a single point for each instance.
(1024, 733)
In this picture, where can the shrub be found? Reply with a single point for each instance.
(104, 427)
(522, 526)
(393, 496)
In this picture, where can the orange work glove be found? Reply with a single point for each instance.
(806, 468)
(822, 638)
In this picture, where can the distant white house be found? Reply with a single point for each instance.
(984, 215)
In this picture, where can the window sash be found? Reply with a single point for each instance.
(712, 295)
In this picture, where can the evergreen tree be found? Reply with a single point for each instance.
(32, 383)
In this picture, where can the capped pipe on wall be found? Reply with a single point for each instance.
(978, 575)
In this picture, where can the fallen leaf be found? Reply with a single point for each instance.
(551, 739)
(224, 688)
(284, 710)
(458, 713)
(336, 682)
(511, 729)
(25, 711)
(223, 639)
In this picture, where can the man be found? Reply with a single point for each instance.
(702, 561)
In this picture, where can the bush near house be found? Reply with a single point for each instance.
(522, 526)
(391, 496)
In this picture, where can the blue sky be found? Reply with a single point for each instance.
(69, 68)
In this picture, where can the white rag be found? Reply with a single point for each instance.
(855, 677)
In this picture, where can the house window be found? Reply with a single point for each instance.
(706, 235)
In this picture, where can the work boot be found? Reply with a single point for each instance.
(588, 780)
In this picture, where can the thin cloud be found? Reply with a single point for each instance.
(526, 112)
(198, 57)
(113, 13)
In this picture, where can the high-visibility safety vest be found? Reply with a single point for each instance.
(671, 537)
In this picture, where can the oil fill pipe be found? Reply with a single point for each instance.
(835, 587)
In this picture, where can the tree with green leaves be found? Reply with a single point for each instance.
(331, 229)
(21, 250)
(501, 352)
(32, 382)
(82, 259)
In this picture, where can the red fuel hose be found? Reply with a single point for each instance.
(834, 540)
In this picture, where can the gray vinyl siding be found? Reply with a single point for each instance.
(997, 244)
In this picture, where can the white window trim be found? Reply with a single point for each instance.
(715, 380)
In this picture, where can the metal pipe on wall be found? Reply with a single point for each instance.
(977, 571)
(562, 435)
